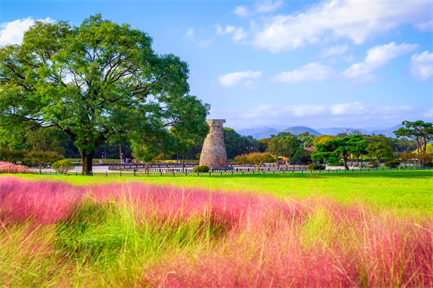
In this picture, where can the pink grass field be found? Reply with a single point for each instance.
(6, 167)
(266, 241)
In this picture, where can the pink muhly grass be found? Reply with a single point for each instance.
(356, 249)
(399, 254)
(266, 241)
(6, 167)
(176, 204)
(42, 202)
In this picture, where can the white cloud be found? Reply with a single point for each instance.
(421, 65)
(238, 33)
(13, 32)
(310, 72)
(262, 6)
(335, 50)
(232, 79)
(241, 11)
(355, 20)
(267, 6)
(351, 114)
(190, 33)
(220, 31)
(377, 57)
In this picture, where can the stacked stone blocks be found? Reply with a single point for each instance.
(214, 153)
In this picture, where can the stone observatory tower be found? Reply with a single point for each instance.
(214, 153)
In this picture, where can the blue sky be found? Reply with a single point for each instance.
(273, 62)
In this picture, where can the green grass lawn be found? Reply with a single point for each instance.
(399, 191)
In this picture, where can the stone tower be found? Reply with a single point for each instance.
(214, 153)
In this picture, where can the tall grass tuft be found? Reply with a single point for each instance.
(55, 234)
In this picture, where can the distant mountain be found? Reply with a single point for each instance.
(265, 134)
(331, 131)
(252, 131)
(374, 128)
(387, 132)
(299, 129)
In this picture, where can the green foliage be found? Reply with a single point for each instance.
(263, 144)
(336, 164)
(375, 164)
(119, 87)
(45, 140)
(316, 167)
(421, 132)
(322, 139)
(63, 166)
(237, 144)
(334, 149)
(392, 164)
(383, 139)
(255, 159)
(283, 147)
(147, 152)
(42, 158)
(379, 150)
(12, 156)
(301, 156)
(202, 168)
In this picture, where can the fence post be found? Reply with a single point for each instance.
(106, 173)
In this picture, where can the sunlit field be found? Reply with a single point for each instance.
(360, 229)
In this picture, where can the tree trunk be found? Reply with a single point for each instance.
(345, 163)
(86, 159)
(183, 163)
(146, 169)
(351, 159)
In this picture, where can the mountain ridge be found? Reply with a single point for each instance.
(266, 131)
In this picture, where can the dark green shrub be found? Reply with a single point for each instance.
(428, 164)
(336, 164)
(316, 167)
(63, 166)
(392, 164)
(202, 168)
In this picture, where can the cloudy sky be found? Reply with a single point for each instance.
(274, 62)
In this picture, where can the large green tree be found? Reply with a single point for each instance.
(283, 147)
(334, 149)
(96, 82)
(379, 150)
(421, 132)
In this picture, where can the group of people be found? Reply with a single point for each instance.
(129, 161)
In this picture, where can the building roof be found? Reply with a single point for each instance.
(310, 149)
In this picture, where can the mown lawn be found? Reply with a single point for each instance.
(401, 191)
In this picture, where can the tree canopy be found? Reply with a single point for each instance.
(255, 159)
(420, 131)
(96, 82)
(333, 149)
